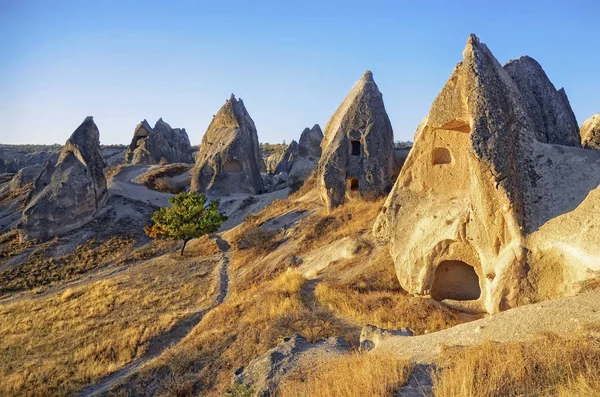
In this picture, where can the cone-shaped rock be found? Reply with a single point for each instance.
(590, 133)
(309, 144)
(161, 144)
(357, 147)
(68, 194)
(478, 200)
(229, 157)
(283, 161)
(549, 109)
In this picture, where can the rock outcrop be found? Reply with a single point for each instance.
(358, 147)
(264, 373)
(15, 157)
(283, 161)
(229, 157)
(68, 194)
(590, 132)
(310, 142)
(548, 109)
(161, 144)
(483, 215)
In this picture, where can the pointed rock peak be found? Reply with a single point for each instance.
(317, 128)
(368, 76)
(306, 130)
(232, 98)
(524, 61)
(86, 133)
(143, 127)
(162, 123)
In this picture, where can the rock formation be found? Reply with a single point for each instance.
(283, 161)
(484, 216)
(310, 142)
(590, 132)
(229, 157)
(548, 109)
(68, 194)
(358, 146)
(161, 144)
(15, 157)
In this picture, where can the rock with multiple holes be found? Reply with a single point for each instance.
(229, 157)
(309, 144)
(159, 145)
(264, 373)
(69, 193)
(483, 215)
(590, 132)
(358, 147)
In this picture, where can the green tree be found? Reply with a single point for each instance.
(188, 217)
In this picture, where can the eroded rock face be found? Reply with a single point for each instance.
(358, 147)
(161, 144)
(283, 162)
(483, 214)
(68, 194)
(310, 142)
(590, 133)
(548, 109)
(229, 157)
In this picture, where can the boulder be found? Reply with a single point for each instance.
(264, 373)
(68, 194)
(548, 109)
(302, 169)
(161, 144)
(229, 157)
(309, 144)
(484, 215)
(590, 132)
(24, 176)
(358, 147)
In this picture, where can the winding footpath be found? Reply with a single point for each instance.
(162, 342)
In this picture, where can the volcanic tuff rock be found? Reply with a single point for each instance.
(68, 194)
(483, 215)
(283, 161)
(229, 157)
(590, 132)
(15, 157)
(548, 109)
(159, 144)
(310, 142)
(358, 146)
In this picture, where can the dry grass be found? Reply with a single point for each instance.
(373, 375)
(56, 344)
(155, 180)
(550, 366)
(42, 269)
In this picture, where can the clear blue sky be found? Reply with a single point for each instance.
(291, 62)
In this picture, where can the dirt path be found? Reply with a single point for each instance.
(179, 331)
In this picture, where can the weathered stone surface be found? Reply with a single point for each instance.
(15, 157)
(590, 132)
(283, 161)
(68, 194)
(161, 144)
(24, 176)
(302, 169)
(357, 147)
(371, 336)
(483, 214)
(229, 157)
(265, 372)
(310, 142)
(548, 109)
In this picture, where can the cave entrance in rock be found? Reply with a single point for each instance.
(455, 280)
(355, 148)
(232, 166)
(353, 184)
(441, 155)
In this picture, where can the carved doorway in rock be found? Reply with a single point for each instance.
(232, 167)
(455, 280)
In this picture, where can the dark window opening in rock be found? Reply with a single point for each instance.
(457, 125)
(455, 280)
(441, 155)
(354, 184)
(355, 148)
(232, 167)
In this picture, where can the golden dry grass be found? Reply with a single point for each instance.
(550, 366)
(56, 344)
(373, 375)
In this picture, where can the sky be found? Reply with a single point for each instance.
(292, 63)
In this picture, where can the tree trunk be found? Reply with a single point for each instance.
(185, 241)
